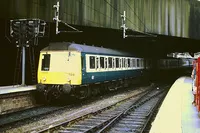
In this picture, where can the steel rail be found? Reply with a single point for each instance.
(137, 104)
(55, 126)
(100, 121)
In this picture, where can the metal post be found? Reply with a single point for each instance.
(56, 17)
(23, 65)
(124, 24)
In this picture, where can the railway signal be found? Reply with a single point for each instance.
(25, 33)
(31, 29)
(35, 28)
(15, 29)
(123, 26)
(57, 20)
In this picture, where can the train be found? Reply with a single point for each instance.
(68, 68)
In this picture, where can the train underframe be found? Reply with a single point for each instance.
(49, 93)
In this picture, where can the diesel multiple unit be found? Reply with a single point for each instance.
(82, 70)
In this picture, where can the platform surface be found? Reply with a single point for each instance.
(16, 88)
(177, 114)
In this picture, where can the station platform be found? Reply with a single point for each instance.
(15, 89)
(177, 114)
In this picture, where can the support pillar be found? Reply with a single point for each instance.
(23, 65)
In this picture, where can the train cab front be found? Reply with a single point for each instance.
(57, 73)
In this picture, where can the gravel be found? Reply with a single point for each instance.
(77, 111)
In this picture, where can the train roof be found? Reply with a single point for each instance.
(57, 46)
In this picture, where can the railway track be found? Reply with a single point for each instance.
(135, 118)
(130, 115)
(17, 119)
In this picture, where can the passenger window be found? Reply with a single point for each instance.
(106, 63)
(124, 63)
(120, 63)
(128, 63)
(113, 62)
(97, 62)
(109, 62)
(138, 63)
(133, 61)
(46, 62)
(102, 62)
(92, 62)
(117, 62)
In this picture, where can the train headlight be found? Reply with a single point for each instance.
(44, 79)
